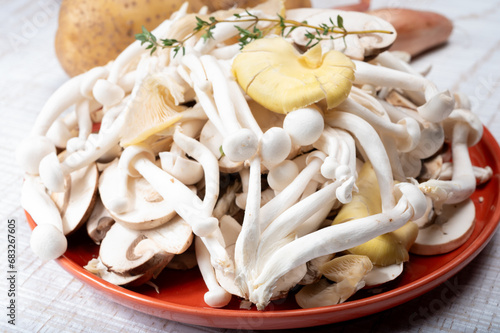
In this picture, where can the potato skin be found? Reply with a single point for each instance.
(93, 32)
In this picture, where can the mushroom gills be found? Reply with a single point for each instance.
(347, 271)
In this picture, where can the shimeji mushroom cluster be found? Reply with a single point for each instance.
(284, 165)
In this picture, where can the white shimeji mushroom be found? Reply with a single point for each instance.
(47, 240)
(463, 129)
(373, 148)
(438, 104)
(411, 205)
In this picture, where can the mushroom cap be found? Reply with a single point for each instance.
(99, 222)
(128, 252)
(380, 275)
(107, 93)
(212, 139)
(48, 242)
(466, 117)
(304, 125)
(347, 271)
(188, 171)
(276, 75)
(240, 145)
(153, 110)
(450, 230)
(275, 145)
(77, 201)
(281, 175)
(361, 47)
(147, 208)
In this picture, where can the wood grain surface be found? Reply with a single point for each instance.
(51, 300)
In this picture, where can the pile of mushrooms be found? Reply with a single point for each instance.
(269, 167)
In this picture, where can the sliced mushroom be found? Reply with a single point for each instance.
(147, 208)
(128, 252)
(95, 266)
(361, 47)
(450, 230)
(77, 201)
(133, 252)
(380, 275)
(99, 222)
(183, 261)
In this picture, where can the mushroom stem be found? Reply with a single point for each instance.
(336, 238)
(292, 192)
(239, 144)
(293, 217)
(121, 203)
(202, 154)
(373, 147)
(52, 172)
(248, 240)
(216, 296)
(482, 174)
(406, 131)
(64, 97)
(202, 89)
(438, 105)
(463, 182)
(47, 240)
(389, 60)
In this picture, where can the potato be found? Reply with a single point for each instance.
(91, 33)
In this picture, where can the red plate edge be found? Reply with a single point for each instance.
(269, 319)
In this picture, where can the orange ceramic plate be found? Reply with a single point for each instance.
(181, 292)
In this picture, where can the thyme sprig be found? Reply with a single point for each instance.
(253, 32)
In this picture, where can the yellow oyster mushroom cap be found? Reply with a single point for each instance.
(386, 249)
(153, 110)
(277, 76)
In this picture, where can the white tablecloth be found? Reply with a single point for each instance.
(51, 300)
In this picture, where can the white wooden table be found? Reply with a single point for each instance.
(51, 300)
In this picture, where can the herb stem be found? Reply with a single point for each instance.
(246, 36)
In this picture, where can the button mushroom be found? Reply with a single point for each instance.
(449, 230)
